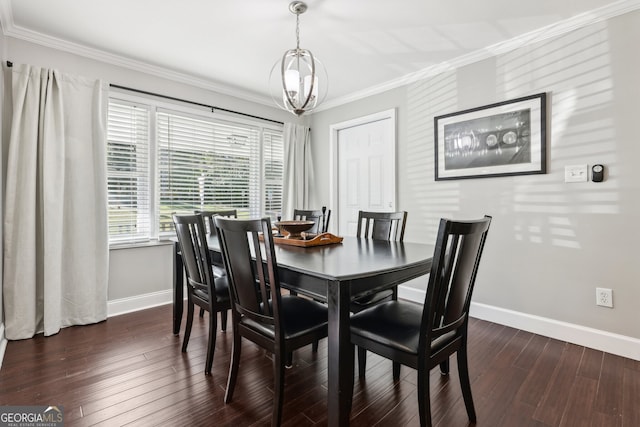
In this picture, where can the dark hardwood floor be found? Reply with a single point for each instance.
(129, 370)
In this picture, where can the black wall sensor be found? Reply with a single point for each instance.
(597, 173)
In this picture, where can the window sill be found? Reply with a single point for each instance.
(145, 244)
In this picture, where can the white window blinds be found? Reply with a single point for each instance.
(273, 156)
(206, 165)
(163, 161)
(128, 171)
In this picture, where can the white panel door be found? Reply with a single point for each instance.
(366, 170)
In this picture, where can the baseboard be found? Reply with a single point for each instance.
(617, 344)
(139, 302)
(3, 343)
(412, 294)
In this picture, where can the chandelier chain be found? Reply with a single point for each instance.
(297, 31)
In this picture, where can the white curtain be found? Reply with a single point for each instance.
(298, 172)
(55, 221)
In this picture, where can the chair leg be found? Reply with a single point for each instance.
(201, 312)
(289, 360)
(396, 371)
(444, 367)
(223, 320)
(465, 385)
(362, 362)
(314, 346)
(187, 328)
(211, 345)
(424, 399)
(278, 387)
(236, 350)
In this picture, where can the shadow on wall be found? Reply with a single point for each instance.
(575, 70)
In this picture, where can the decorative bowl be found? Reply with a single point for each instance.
(294, 227)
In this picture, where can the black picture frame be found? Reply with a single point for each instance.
(502, 139)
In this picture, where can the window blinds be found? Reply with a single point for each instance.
(273, 146)
(163, 162)
(129, 197)
(206, 165)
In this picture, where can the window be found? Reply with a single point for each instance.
(128, 172)
(273, 158)
(199, 163)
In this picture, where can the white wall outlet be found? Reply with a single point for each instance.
(604, 297)
(576, 173)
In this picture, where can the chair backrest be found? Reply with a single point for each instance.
(252, 272)
(382, 225)
(208, 217)
(320, 217)
(456, 258)
(192, 238)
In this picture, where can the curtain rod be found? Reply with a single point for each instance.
(213, 108)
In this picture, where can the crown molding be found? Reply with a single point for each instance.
(559, 28)
(11, 30)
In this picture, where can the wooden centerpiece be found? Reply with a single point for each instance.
(296, 236)
(309, 240)
(293, 228)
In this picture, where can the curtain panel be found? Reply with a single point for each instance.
(55, 221)
(298, 172)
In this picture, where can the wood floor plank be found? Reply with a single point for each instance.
(491, 407)
(552, 406)
(535, 385)
(630, 398)
(519, 414)
(384, 403)
(609, 397)
(591, 364)
(130, 370)
(531, 352)
(577, 412)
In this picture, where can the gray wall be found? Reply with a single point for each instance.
(551, 243)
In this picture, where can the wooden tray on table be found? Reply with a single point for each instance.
(318, 240)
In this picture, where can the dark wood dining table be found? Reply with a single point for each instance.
(335, 273)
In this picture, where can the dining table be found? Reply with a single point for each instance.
(334, 274)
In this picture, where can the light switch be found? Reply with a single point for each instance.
(575, 173)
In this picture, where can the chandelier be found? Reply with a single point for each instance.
(294, 80)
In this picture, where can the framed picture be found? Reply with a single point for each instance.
(503, 139)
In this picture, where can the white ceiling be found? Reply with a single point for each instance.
(231, 46)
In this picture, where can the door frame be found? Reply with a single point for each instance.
(333, 153)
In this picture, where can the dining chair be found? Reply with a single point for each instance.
(382, 225)
(218, 266)
(203, 288)
(320, 217)
(259, 312)
(423, 336)
(378, 226)
(210, 214)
